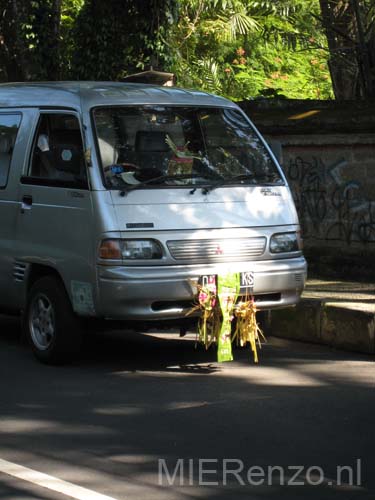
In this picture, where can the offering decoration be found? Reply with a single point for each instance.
(224, 319)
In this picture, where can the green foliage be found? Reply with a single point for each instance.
(279, 51)
(88, 39)
(237, 48)
(70, 11)
(42, 35)
(116, 37)
(33, 38)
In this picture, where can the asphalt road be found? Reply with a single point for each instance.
(135, 406)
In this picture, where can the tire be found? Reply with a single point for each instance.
(50, 324)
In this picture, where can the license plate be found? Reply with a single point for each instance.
(208, 281)
(246, 281)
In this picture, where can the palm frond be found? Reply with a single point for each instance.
(240, 23)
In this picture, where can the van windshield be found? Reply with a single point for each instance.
(154, 146)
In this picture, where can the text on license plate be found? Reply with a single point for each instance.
(246, 281)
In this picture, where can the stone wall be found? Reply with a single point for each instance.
(327, 152)
(333, 184)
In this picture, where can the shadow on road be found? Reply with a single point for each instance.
(133, 399)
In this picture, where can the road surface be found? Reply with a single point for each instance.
(146, 416)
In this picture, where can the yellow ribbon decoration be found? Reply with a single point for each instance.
(247, 328)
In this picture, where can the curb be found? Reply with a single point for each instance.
(321, 322)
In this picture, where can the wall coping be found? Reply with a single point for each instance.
(347, 139)
(297, 117)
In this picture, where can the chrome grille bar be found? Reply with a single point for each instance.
(218, 249)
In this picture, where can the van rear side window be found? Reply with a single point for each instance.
(9, 125)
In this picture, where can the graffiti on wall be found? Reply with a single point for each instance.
(331, 206)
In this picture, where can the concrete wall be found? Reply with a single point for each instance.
(327, 152)
(333, 184)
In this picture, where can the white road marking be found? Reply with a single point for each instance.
(50, 482)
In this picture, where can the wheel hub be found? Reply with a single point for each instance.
(42, 322)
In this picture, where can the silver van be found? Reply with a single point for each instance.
(117, 199)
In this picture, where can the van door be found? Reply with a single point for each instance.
(9, 125)
(55, 225)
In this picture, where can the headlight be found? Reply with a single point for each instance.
(130, 250)
(284, 242)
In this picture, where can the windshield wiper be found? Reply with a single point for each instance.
(242, 177)
(160, 178)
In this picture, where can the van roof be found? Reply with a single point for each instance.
(86, 95)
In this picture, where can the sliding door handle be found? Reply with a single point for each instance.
(27, 202)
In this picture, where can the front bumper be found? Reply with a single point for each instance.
(168, 292)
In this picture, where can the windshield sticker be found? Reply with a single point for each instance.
(66, 155)
(117, 169)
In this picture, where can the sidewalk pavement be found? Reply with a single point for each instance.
(337, 313)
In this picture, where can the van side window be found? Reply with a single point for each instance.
(9, 125)
(58, 156)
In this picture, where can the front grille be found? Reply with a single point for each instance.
(217, 250)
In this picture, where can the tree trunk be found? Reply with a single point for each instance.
(54, 57)
(351, 63)
(365, 23)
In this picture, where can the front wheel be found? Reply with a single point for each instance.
(52, 328)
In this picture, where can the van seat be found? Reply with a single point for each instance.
(108, 153)
(151, 148)
(151, 141)
(67, 150)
